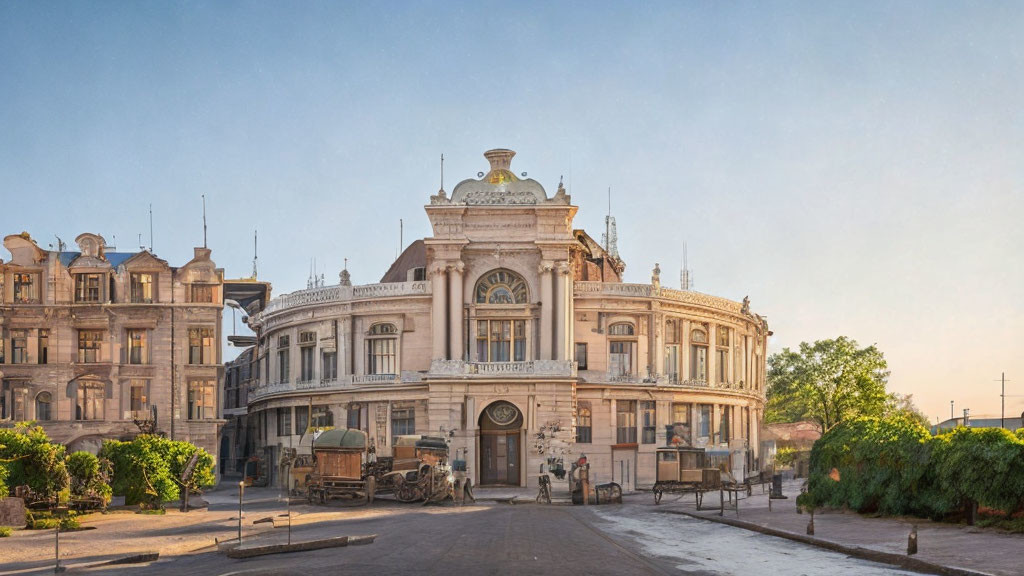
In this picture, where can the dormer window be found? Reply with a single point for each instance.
(25, 291)
(87, 288)
(142, 287)
(202, 293)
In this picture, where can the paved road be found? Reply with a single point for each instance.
(515, 539)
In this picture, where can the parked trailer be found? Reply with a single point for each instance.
(338, 459)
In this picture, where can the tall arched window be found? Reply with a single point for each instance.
(501, 287)
(699, 355)
(381, 349)
(621, 350)
(584, 422)
(501, 339)
(43, 403)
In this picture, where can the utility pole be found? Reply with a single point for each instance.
(951, 416)
(1002, 398)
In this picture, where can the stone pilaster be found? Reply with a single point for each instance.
(546, 309)
(438, 320)
(455, 310)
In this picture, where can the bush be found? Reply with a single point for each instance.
(5, 531)
(90, 476)
(146, 469)
(784, 456)
(892, 466)
(29, 458)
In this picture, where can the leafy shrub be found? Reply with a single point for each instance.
(784, 456)
(146, 469)
(90, 476)
(29, 458)
(893, 466)
(5, 531)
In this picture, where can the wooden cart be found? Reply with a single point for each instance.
(684, 470)
(419, 470)
(338, 457)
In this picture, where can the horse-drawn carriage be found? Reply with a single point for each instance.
(419, 470)
(684, 470)
(339, 457)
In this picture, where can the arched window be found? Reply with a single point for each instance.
(621, 350)
(699, 355)
(501, 287)
(91, 396)
(584, 422)
(620, 329)
(381, 349)
(43, 403)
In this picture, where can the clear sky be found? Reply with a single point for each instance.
(856, 169)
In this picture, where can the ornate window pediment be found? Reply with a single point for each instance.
(501, 287)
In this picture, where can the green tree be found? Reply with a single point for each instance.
(828, 382)
(31, 459)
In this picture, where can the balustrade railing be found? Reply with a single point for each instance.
(583, 288)
(338, 293)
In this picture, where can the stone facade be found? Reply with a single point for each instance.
(521, 344)
(97, 344)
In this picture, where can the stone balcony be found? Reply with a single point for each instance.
(340, 293)
(339, 383)
(528, 369)
(661, 380)
(583, 289)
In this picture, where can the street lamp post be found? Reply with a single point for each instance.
(241, 490)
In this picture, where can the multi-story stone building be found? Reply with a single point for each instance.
(511, 332)
(97, 344)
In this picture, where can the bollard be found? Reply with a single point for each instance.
(912, 541)
(241, 490)
(810, 525)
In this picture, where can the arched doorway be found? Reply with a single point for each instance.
(500, 444)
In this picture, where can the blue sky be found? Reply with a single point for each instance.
(854, 168)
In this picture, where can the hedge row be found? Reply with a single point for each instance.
(894, 466)
(145, 470)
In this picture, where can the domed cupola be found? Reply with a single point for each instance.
(500, 186)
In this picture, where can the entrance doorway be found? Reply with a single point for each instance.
(500, 445)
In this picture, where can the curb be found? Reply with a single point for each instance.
(335, 542)
(132, 559)
(899, 560)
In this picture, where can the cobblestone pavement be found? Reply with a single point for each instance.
(487, 538)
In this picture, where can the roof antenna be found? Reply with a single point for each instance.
(442, 172)
(141, 245)
(685, 282)
(401, 232)
(151, 227)
(255, 252)
(610, 238)
(204, 220)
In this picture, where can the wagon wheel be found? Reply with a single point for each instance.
(657, 497)
(405, 491)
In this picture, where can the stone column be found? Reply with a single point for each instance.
(713, 354)
(747, 350)
(438, 320)
(684, 350)
(455, 309)
(561, 312)
(658, 328)
(546, 309)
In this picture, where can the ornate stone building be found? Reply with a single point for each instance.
(97, 344)
(512, 333)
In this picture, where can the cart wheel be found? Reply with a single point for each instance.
(371, 487)
(657, 497)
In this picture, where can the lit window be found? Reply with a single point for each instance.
(584, 422)
(200, 346)
(142, 288)
(138, 347)
(201, 400)
(89, 342)
(25, 289)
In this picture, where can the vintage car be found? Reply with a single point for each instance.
(682, 470)
(419, 470)
(339, 457)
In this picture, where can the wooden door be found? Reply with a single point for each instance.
(499, 458)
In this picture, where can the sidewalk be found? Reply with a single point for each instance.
(942, 548)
